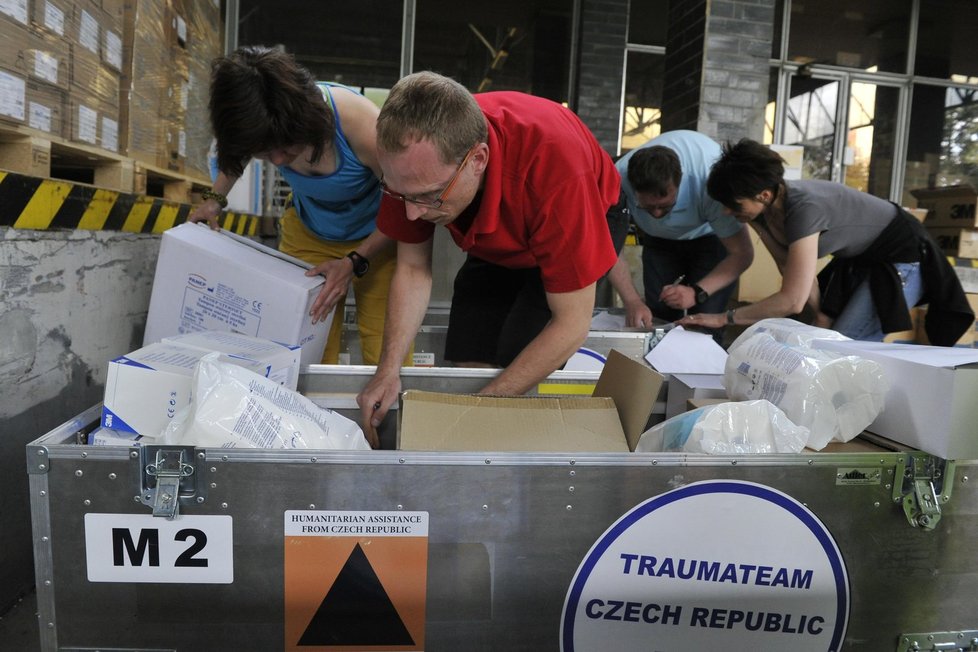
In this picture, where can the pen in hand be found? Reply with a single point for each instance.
(682, 277)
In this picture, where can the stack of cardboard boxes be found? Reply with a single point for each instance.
(126, 76)
(169, 47)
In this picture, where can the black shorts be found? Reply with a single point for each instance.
(496, 312)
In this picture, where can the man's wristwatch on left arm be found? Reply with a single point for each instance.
(360, 264)
(701, 294)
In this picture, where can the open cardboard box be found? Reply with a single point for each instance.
(610, 420)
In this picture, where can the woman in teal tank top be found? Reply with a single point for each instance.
(322, 137)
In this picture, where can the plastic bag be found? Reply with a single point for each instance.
(833, 395)
(727, 429)
(236, 408)
(788, 331)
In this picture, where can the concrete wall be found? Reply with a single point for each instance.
(69, 302)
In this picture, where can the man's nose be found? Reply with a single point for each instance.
(414, 211)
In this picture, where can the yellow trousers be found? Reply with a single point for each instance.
(370, 291)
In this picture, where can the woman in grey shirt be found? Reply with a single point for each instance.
(883, 260)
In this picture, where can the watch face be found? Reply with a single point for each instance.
(360, 264)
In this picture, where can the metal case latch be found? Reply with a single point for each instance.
(922, 484)
(957, 641)
(164, 479)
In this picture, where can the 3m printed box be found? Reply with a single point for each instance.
(146, 388)
(218, 281)
(281, 362)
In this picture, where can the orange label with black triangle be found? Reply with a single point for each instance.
(355, 581)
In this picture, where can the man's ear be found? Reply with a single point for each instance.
(480, 158)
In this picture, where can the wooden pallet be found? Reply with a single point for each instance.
(35, 153)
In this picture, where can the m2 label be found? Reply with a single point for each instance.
(144, 548)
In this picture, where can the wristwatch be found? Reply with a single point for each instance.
(360, 264)
(701, 294)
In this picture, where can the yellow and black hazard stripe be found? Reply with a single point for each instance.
(963, 262)
(33, 203)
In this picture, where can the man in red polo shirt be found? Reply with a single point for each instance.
(524, 188)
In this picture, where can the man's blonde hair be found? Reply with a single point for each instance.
(429, 106)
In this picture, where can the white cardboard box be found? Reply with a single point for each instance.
(683, 387)
(145, 389)
(208, 280)
(281, 361)
(932, 403)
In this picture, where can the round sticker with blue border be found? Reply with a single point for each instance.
(713, 565)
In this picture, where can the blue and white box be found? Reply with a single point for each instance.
(220, 281)
(146, 388)
(281, 360)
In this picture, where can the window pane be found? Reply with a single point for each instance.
(871, 34)
(870, 138)
(811, 121)
(771, 107)
(942, 147)
(647, 22)
(642, 117)
(521, 45)
(946, 39)
(360, 47)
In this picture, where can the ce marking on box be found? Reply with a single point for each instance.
(145, 548)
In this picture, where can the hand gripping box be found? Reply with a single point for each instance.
(208, 280)
(145, 389)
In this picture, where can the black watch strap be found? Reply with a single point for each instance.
(360, 264)
(701, 294)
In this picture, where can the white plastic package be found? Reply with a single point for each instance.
(788, 331)
(833, 395)
(748, 427)
(236, 408)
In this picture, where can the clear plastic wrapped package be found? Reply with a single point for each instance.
(834, 395)
(747, 427)
(788, 331)
(236, 408)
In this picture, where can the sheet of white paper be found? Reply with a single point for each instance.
(605, 321)
(686, 352)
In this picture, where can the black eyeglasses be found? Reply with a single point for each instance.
(421, 200)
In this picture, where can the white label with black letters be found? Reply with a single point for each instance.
(146, 548)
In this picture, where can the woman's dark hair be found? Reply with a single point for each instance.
(261, 99)
(744, 170)
(653, 169)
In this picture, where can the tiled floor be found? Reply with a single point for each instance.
(19, 628)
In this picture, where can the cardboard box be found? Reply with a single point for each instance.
(967, 243)
(685, 387)
(931, 402)
(948, 207)
(281, 361)
(13, 97)
(967, 272)
(208, 280)
(456, 422)
(109, 437)
(947, 238)
(145, 389)
(46, 108)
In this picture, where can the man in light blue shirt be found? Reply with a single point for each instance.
(692, 249)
